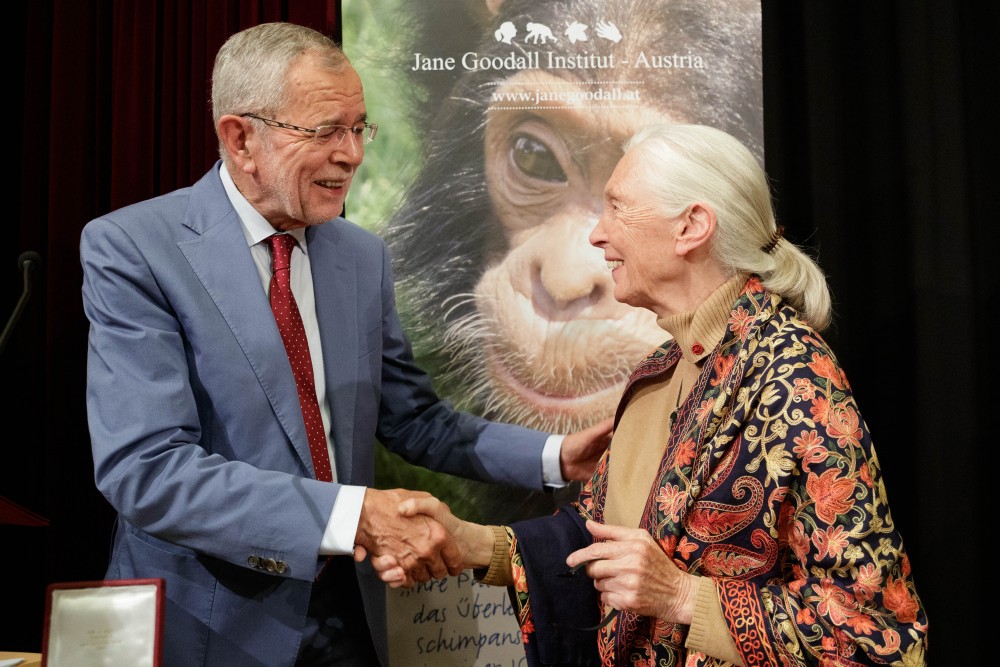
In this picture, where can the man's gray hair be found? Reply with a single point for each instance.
(250, 73)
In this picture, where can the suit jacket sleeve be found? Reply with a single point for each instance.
(426, 430)
(190, 399)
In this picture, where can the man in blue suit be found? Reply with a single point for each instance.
(198, 436)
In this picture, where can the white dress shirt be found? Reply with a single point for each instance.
(343, 524)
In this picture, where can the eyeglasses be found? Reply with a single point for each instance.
(326, 133)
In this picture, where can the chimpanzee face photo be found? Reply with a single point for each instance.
(522, 109)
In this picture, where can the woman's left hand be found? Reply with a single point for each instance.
(634, 574)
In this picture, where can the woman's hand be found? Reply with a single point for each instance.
(634, 574)
(418, 545)
(474, 541)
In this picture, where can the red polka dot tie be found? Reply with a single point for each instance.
(293, 334)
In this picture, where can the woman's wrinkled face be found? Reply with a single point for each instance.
(637, 239)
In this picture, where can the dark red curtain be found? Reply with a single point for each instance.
(110, 107)
(881, 138)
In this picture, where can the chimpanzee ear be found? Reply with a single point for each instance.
(494, 6)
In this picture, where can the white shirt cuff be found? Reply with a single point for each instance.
(551, 470)
(338, 540)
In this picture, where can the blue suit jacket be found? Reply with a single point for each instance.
(197, 435)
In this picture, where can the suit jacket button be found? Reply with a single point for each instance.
(254, 562)
(282, 567)
(271, 565)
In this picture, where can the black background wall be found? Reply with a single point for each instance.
(880, 139)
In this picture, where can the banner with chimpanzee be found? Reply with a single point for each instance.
(499, 123)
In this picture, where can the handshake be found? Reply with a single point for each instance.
(411, 537)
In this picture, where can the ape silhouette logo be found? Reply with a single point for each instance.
(539, 33)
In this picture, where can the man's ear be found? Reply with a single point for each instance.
(237, 138)
(696, 227)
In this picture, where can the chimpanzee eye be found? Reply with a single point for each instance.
(536, 159)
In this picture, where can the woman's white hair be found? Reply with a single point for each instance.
(690, 163)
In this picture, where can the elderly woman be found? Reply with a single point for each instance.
(739, 515)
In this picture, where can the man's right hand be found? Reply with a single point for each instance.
(420, 546)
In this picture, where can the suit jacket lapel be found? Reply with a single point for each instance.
(220, 257)
(335, 276)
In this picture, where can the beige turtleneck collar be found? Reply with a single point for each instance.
(698, 331)
(642, 433)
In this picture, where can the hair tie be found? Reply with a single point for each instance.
(773, 241)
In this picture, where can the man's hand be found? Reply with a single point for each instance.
(474, 541)
(417, 545)
(581, 450)
(633, 573)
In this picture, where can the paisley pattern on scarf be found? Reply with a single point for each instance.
(770, 485)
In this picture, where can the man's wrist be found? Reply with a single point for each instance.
(552, 474)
